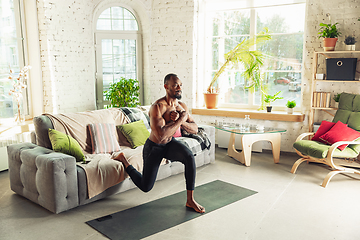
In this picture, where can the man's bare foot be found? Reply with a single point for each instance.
(194, 205)
(121, 158)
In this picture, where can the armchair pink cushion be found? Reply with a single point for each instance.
(324, 127)
(340, 132)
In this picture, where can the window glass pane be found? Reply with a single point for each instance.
(103, 24)
(130, 25)
(117, 13)
(282, 19)
(288, 82)
(117, 24)
(116, 18)
(9, 57)
(233, 89)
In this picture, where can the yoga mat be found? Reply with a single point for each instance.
(156, 216)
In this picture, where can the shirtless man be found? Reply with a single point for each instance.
(167, 115)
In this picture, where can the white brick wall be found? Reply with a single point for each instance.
(67, 55)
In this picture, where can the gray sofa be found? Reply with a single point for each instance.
(54, 180)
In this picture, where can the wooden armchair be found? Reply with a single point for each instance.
(341, 161)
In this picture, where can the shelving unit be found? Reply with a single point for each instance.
(328, 110)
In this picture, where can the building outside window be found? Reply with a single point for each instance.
(229, 22)
(118, 40)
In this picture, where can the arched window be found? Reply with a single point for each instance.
(118, 42)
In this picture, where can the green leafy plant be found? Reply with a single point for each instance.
(291, 104)
(268, 98)
(337, 97)
(123, 93)
(329, 30)
(252, 60)
(349, 40)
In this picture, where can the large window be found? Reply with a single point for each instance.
(117, 52)
(228, 24)
(11, 48)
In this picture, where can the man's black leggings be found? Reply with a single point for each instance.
(153, 154)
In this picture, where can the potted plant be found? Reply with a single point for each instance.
(268, 98)
(336, 99)
(123, 93)
(329, 33)
(241, 54)
(290, 106)
(349, 43)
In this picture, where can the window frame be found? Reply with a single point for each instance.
(115, 34)
(22, 58)
(204, 56)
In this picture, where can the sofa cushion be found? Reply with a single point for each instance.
(65, 144)
(135, 132)
(103, 138)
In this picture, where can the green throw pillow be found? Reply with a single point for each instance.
(135, 132)
(65, 144)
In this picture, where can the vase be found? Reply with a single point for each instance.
(211, 100)
(268, 108)
(350, 47)
(18, 108)
(290, 110)
(329, 44)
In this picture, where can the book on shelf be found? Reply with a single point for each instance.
(321, 99)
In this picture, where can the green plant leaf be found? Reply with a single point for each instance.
(123, 93)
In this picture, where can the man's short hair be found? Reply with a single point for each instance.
(168, 77)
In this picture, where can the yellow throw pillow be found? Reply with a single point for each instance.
(65, 144)
(135, 132)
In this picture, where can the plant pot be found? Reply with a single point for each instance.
(350, 47)
(268, 108)
(290, 110)
(211, 100)
(329, 44)
(336, 105)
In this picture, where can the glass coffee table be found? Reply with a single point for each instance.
(254, 134)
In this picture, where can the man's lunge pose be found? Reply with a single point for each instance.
(167, 115)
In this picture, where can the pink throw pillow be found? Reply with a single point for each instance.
(340, 132)
(324, 127)
(177, 133)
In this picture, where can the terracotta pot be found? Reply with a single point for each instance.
(211, 100)
(329, 44)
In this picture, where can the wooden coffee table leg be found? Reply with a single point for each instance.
(232, 152)
(247, 141)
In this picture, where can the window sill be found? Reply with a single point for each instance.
(254, 114)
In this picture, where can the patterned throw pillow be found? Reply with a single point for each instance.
(65, 144)
(135, 132)
(103, 138)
